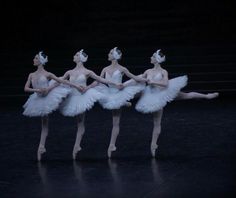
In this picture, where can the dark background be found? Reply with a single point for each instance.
(198, 38)
(196, 154)
(74, 24)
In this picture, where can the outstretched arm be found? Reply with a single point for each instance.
(60, 80)
(133, 82)
(64, 77)
(100, 79)
(95, 83)
(132, 76)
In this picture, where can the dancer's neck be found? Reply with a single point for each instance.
(79, 65)
(157, 66)
(40, 68)
(114, 63)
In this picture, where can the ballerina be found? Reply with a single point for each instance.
(114, 98)
(46, 98)
(161, 90)
(77, 103)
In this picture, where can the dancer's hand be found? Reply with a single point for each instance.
(80, 88)
(46, 91)
(43, 91)
(120, 86)
(85, 89)
(150, 82)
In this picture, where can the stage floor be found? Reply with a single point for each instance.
(196, 156)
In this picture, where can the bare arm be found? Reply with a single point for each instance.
(163, 82)
(52, 76)
(27, 85)
(64, 77)
(100, 79)
(54, 85)
(136, 78)
(132, 82)
(95, 83)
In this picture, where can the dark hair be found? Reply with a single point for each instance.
(118, 51)
(161, 54)
(43, 55)
(84, 54)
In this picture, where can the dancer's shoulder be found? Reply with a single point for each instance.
(147, 71)
(122, 68)
(164, 71)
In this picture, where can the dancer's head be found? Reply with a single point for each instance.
(80, 56)
(158, 57)
(40, 59)
(114, 54)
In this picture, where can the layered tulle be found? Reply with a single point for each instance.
(114, 98)
(154, 98)
(77, 102)
(39, 105)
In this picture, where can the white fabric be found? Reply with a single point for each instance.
(158, 57)
(42, 60)
(77, 102)
(154, 98)
(82, 57)
(115, 53)
(39, 105)
(114, 98)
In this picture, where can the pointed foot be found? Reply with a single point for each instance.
(41, 151)
(153, 150)
(75, 152)
(110, 150)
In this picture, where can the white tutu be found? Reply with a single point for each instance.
(155, 98)
(77, 102)
(114, 98)
(39, 105)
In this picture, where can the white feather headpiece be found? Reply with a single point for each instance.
(115, 54)
(159, 58)
(82, 57)
(43, 60)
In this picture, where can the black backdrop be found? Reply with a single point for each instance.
(198, 38)
(58, 24)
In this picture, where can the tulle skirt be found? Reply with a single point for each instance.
(38, 105)
(114, 98)
(155, 98)
(77, 102)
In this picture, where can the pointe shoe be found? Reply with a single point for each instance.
(153, 149)
(212, 95)
(75, 151)
(110, 150)
(41, 150)
(128, 104)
